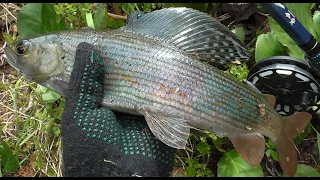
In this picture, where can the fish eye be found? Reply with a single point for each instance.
(23, 47)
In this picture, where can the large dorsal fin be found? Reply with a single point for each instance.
(192, 31)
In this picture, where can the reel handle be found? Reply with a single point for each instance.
(291, 25)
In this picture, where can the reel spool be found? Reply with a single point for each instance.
(290, 80)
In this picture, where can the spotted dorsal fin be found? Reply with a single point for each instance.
(193, 32)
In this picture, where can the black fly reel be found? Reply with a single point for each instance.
(290, 80)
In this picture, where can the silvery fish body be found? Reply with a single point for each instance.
(147, 74)
(162, 72)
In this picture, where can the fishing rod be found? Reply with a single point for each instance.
(293, 81)
(298, 33)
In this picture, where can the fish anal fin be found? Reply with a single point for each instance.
(172, 131)
(270, 99)
(293, 126)
(250, 147)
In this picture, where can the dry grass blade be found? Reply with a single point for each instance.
(4, 5)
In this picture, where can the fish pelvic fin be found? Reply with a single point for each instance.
(172, 131)
(293, 125)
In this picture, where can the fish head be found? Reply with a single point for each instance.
(38, 58)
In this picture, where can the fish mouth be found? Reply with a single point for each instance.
(11, 57)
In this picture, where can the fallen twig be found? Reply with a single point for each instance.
(115, 16)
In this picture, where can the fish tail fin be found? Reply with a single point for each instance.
(293, 125)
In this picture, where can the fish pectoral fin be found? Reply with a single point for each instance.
(57, 84)
(172, 131)
(250, 147)
(192, 31)
(270, 99)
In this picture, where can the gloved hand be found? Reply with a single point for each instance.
(98, 142)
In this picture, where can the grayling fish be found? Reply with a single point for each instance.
(158, 67)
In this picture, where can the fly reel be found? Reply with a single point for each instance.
(290, 80)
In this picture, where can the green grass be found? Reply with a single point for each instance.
(31, 127)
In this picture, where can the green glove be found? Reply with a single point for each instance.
(98, 142)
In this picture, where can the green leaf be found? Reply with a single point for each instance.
(10, 162)
(206, 172)
(100, 20)
(232, 165)
(239, 31)
(318, 140)
(298, 140)
(316, 23)
(268, 146)
(190, 171)
(303, 13)
(7, 38)
(0, 170)
(89, 19)
(128, 7)
(272, 145)
(50, 96)
(38, 18)
(274, 155)
(267, 45)
(218, 141)
(203, 147)
(305, 171)
(192, 162)
(57, 132)
(268, 152)
(39, 90)
(51, 172)
(114, 23)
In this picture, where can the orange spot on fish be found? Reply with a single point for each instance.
(249, 128)
(129, 78)
(262, 109)
(164, 90)
(171, 91)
